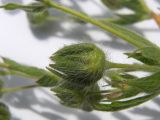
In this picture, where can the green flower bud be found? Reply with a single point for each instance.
(72, 96)
(83, 64)
(38, 15)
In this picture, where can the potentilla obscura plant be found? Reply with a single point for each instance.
(75, 70)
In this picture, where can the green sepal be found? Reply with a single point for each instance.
(149, 84)
(121, 105)
(127, 19)
(47, 81)
(125, 90)
(147, 55)
(67, 97)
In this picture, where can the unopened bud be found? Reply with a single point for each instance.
(83, 64)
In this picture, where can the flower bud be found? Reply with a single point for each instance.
(38, 15)
(83, 64)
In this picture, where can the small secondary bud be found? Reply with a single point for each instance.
(37, 15)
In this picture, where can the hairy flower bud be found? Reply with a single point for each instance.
(82, 64)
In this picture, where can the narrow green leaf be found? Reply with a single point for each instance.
(48, 81)
(4, 73)
(148, 84)
(124, 89)
(130, 36)
(29, 70)
(126, 19)
(141, 11)
(147, 55)
(121, 105)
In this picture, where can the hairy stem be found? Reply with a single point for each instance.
(145, 7)
(7, 90)
(137, 67)
(14, 68)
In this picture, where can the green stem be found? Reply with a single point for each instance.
(13, 6)
(121, 105)
(136, 67)
(110, 27)
(14, 68)
(7, 90)
(145, 7)
(3, 65)
(11, 71)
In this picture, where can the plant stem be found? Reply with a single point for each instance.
(136, 67)
(12, 6)
(14, 68)
(145, 7)
(151, 13)
(10, 71)
(3, 65)
(7, 90)
(110, 27)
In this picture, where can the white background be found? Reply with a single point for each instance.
(25, 44)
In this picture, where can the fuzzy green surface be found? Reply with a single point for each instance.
(80, 63)
(81, 66)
